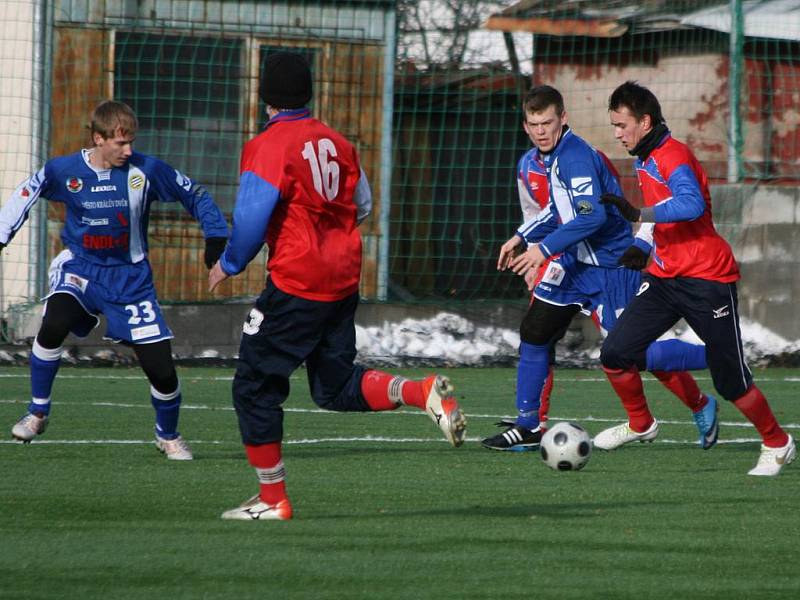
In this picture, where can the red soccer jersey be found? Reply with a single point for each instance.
(683, 248)
(313, 238)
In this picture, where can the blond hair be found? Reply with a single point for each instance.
(111, 117)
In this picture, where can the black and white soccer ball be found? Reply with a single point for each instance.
(566, 447)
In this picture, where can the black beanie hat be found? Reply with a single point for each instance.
(285, 80)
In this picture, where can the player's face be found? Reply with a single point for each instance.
(114, 151)
(544, 127)
(628, 130)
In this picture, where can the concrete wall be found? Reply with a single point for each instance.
(763, 226)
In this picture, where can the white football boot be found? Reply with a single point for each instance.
(443, 408)
(28, 427)
(257, 510)
(176, 449)
(772, 460)
(619, 435)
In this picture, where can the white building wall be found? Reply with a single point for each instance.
(16, 141)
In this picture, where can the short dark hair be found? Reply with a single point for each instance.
(638, 100)
(540, 97)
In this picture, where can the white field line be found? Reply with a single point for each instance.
(311, 441)
(401, 412)
(300, 375)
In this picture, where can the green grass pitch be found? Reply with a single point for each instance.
(384, 508)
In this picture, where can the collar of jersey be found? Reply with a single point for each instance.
(295, 114)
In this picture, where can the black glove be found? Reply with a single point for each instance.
(634, 258)
(215, 246)
(625, 208)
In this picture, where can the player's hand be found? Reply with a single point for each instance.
(530, 260)
(634, 258)
(530, 279)
(216, 276)
(507, 252)
(625, 208)
(215, 246)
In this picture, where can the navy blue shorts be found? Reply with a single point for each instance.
(710, 308)
(280, 333)
(125, 294)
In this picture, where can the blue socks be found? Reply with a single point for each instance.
(44, 366)
(167, 408)
(531, 374)
(676, 355)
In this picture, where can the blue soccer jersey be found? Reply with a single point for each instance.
(104, 265)
(107, 210)
(575, 221)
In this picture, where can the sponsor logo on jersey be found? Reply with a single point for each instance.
(183, 180)
(582, 186)
(584, 207)
(643, 288)
(90, 204)
(75, 281)
(93, 222)
(25, 192)
(139, 333)
(104, 188)
(136, 182)
(74, 184)
(105, 242)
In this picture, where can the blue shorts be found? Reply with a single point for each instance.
(124, 294)
(595, 289)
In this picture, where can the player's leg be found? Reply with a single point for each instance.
(338, 384)
(712, 311)
(278, 335)
(62, 314)
(165, 396)
(539, 328)
(547, 388)
(623, 354)
(134, 318)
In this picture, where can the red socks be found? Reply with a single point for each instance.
(544, 397)
(683, 385)
(753, 405)
(266, 458)
(628, 386)
(384, 391)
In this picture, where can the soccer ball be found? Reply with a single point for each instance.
(566, 447)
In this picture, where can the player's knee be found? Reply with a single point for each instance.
(613, 356)
(54, 330)
(164, 380)
(534, 331)
(730, 389)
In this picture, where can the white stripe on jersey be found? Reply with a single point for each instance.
(562, 198)
(528, 226)
(645, 232)
(530, 208)
(15, 210)
(136, 201)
